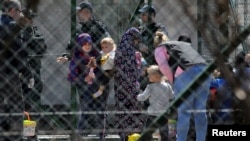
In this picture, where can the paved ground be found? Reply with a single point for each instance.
(87, 138)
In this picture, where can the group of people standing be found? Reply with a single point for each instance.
(223, 95)
(144, 66)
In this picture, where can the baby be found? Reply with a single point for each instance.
(108, 47)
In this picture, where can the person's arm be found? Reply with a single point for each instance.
(171, 92)
(161, 58)
(145, 95)
(111, 58)
(68, 55)
(73, 74)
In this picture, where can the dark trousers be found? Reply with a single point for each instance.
(92, 120)
(163, 129)
(11, 104)
(32, 97)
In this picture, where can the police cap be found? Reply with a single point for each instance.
(84, 5)
(147, 8)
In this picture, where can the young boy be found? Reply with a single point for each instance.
(159, 94)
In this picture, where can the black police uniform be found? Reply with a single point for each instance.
(35, 47)
(13, 63)
(148, 33)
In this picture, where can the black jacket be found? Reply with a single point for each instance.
(13, 57)
(96, 30)
(35, 46)
(148, 33)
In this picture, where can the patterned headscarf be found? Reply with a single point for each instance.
(126, 75)
(125, 65)
(131, 35)
(125, 53)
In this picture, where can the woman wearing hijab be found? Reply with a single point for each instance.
(127, 86)
(85, 73)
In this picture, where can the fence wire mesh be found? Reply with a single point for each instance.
(219, 30)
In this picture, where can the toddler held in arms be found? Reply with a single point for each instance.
(108, 47)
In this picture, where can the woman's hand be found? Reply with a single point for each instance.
(91, 73)
(92, 62)
(89, 78)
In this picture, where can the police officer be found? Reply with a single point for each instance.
(148, 29)
(87, 24)
(13, 68)
(35, 46)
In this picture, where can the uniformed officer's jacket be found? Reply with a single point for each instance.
(12, 54)
(148, 33)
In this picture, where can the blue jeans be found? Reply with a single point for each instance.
(196, 101)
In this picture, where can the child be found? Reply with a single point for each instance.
(108, 47)
(159, 94)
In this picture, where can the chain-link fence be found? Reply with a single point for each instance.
(218, 29)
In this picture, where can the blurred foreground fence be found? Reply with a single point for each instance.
(219, 30)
